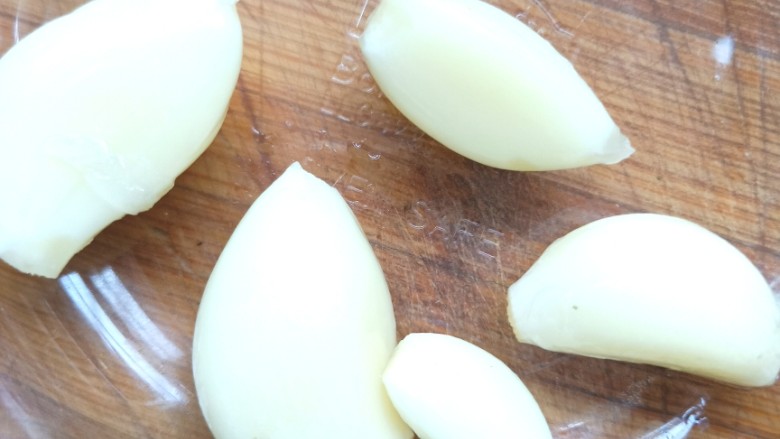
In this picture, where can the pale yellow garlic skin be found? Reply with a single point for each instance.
(447, 388)
(488, 87)
(652, 289)
(296, 323)
(100, 110)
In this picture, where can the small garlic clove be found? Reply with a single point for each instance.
(447, 388)
(652, 289)
(488, 87)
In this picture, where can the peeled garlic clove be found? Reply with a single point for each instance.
(488, 87)
(652, 289)
(296, 324)
(100, 110)
(448, 388)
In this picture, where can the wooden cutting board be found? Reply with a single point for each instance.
(105, 350)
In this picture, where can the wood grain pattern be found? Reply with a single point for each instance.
(104, 350)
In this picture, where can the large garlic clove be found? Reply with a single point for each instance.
(488, 87)
(100, 110)
(652, 289)
(448, 388)
(296, 324)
